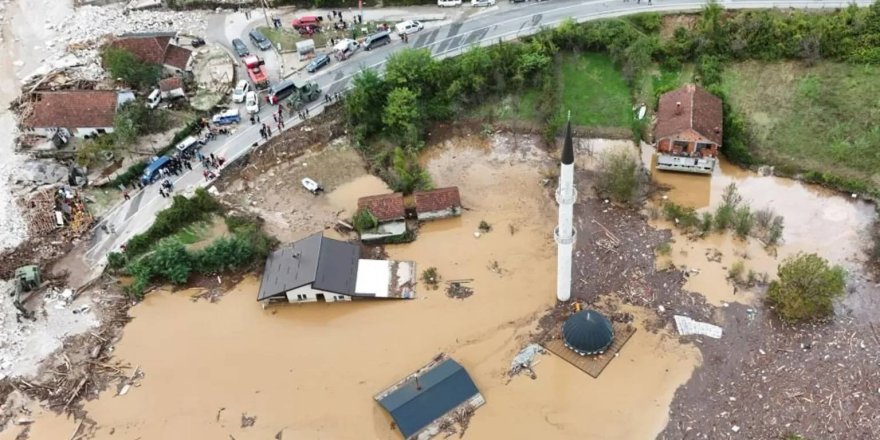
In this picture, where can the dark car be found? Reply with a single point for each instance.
(378, 39)
(280, 91)
(197, 42)
(320, 61)
(260, 40)
(240, 48)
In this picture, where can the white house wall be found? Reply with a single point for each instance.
(307, 294)
(442, 213)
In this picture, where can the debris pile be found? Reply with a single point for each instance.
(525, 360)
(456, 289)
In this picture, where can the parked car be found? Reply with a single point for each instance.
(345, 48)
(260, 40)
(280, 91)
(308, 21)
(320, 61)
(251, 103)
(227, 117)
(409, 26)
(241, 49)
(154, 99)
(448, 3)
(477, 3)
(197, 42)
(241, 89)
(378, 39)
(186, 144)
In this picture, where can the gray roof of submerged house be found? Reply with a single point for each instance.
(324, 263)
(415, 405)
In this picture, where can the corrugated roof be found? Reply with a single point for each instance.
(325, 263)
(73, 109)
(699, 110)
(437, 199)
(440, 389)
(386, 207)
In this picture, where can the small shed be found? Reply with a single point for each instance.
(390, 214)
(438, 203)
(305, 49)
(171, 87)
(428, 398)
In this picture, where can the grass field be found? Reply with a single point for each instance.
(595, 92)
(286, 38)
(820, 119)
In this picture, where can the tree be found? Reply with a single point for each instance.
(364, 220)
(124, 66)
(406, 173)
(415, 69)
(616, 176)
(364, 103)
(403, 117)
(806, 288)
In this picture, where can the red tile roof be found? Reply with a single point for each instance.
(386, 207)
(437, 199)
(147, 49)
(690, 107)
(73, 109)
(171, 83)
(177, 56)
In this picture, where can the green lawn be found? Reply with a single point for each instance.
(286, 38)
(595, 92)
(822, 118)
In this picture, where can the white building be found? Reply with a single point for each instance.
(322, 269)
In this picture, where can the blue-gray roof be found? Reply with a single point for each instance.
(443, 388)
(324, 263)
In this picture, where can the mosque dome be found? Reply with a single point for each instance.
(587, 332)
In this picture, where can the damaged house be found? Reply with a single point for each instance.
(156, 48)
(317, 268)
(688, 133)
(73, 113)
(390, 215)
(438, 203)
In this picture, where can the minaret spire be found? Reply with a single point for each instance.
(566, 194)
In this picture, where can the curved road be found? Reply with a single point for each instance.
(502, 22)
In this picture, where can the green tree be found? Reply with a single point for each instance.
(403, 117)
(124, 66)
(406, 173)
(616, 176)
(89, 153)
(364, 220)
(414, 69)
(806, 288)
(364, 103)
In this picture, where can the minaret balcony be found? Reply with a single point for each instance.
(566, 195)
(565, 240)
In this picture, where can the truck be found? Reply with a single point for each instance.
(256, 72)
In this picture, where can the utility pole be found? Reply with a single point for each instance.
(265, 4)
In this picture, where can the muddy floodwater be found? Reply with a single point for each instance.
(310, 371)
(816, 220)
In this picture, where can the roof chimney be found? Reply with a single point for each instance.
(678, 107)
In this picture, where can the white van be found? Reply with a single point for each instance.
(187, 143)
(448, 3)
(154, 99)
(408, 27)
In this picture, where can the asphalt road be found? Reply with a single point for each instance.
(501, 22)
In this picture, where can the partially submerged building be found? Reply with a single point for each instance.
(424, 401)
(688, 133)
(389, 211)
(587, 332)
(317, 268)
(73, 113)
(438, 203)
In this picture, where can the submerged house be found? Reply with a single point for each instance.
(390, 214)
(317, 268)
(438, 203)
(427, 399)
(688, 133)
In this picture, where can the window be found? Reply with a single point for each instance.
(300, 297)
(340, 297)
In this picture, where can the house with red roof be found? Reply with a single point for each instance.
(688, 133)
(156, 48)
(438, 203)
(389, 212)
(79, 113)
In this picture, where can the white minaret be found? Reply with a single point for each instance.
(565, 233)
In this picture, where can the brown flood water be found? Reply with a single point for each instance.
(816, 220)
(311, 370)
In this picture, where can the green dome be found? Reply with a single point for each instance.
(587, 332)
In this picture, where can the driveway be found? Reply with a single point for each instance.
(485, 27)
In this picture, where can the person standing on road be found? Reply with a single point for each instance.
(275, 117)
(268, 131)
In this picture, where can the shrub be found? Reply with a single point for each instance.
(182, 212)
(685, 218)
(125, 66)
(664, 248)
(364, 220)
(617, 178)
(743, 220)
(774, 233)
(705, 222)
(406, 174)
(736, 271)
(431, 278)
(116, 260)
(484, 226)
(806, 288)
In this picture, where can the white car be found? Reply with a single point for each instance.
(251, 103)
(240, 91)
(476, 3)
(408, 27)
(448, 3)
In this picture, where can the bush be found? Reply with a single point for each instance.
(736, 271)
(743, 221)
(806, 288)
(705, 222)
(616, 177)
(431, 278)
(364, 220)
(116, 260)
(405, 174)
(685, 218)
(664, 248)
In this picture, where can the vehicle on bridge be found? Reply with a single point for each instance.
(256, 71)
(231, 116)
